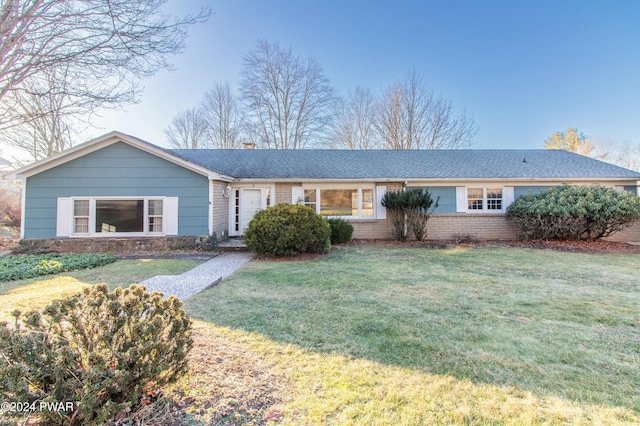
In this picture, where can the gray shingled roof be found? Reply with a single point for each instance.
(380, 164)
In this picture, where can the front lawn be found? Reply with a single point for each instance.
(419, 336)
(390, 336)
(35, 293)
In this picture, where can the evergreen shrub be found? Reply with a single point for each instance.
(409, 211)
(288, 230)
(574, 212)
(341, 231)
(18, 267)
(98, 351)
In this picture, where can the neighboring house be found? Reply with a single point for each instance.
(120, 186)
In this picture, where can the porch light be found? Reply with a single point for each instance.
(226, 191)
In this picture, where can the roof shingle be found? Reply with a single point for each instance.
(383, 164)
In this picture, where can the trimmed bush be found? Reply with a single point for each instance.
(288, 230)
(574, 213)
(409, 211)
(341, 231)
(98, 351)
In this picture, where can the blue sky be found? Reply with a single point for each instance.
(522, 69)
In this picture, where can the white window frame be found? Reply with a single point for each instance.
(359, 188)
(74, 217)
(504, 201)
(146, 222)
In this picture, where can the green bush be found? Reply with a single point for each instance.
(22, 267)
(409, 211)
(341, 231)
(287, 230)
(97, 351)
(574, 213)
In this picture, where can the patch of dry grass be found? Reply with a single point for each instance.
(240, 378)
(228, 381)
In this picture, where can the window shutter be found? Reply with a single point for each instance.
(64, 217)
(297, 194)
(461, 199)
(170, 216)
(380, 209)
(508, 196)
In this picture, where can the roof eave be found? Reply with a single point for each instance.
(447, 179)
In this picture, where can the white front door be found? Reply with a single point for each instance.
(250, 203)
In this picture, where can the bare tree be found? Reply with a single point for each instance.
(10, 206)
(105, 46)
(412, 116)
(355, 120)
(188, 130)
(45, 116)
(624, 154)
(223, 116)
(288, 98)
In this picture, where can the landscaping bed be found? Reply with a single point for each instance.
(30, 266)
(599, 246)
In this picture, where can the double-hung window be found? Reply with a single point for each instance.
(484, 200)
(81, 217)
(155, 215)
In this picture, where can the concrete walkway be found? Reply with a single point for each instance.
(199, 278)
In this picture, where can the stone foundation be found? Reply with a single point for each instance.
(118, 245)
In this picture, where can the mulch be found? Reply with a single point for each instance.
(566, 246)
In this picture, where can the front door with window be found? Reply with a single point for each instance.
(250, 204)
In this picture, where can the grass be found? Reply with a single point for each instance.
(409, 336)
(37, 292)
(386, 336)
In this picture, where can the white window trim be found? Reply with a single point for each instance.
(300, 195)
(92, 218)
(463, 204)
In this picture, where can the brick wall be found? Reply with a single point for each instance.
(476, 226)
(631, 234)
(495, 227)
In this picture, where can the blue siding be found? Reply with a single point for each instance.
(118, 170)
(519, 191)
(447, 194)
